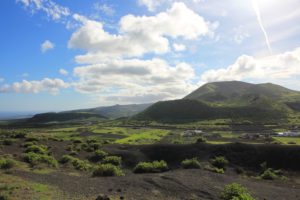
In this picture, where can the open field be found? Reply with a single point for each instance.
(51, 177)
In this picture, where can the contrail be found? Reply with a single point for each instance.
(258, 16)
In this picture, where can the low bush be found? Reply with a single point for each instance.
(107, 170)
(148, 167)
(40, 149)
(214, 169)
(191, 163)
(91, 140)
(177, 141)
(115, 160)
(268, 174)
(54, 138)
(82, 165)
(77, 140)
(201, 139)
(7, 163)
(236, 191)
(219, 162)
(9, 141)
(27, 144)
(34, 159)
(99, 155)
(94, 146)
(74, 153)
(32, 138)
(19, 135)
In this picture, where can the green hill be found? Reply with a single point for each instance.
(116, 111)
(63, 117)
(233, 99)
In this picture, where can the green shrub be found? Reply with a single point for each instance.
(9, 141)
(32, 138)
(78, 164)
(219, 162)
(107, 170)
(214, 169)
(40, 149)
(3, 197)
(77, 140)
(20, 135)
(34, 159)
(177, 141)
(27, 144)
(7, 163)
(191, 163)
(236, 191)
(99, 155)
(201, 139)
(268, 174)
(148, 167)
(91, 140)
(94, 146)
(54, 138)
(74, 153)
(115, 160)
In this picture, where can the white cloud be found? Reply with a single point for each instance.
(47, 45)
(51, 85)
(179, 47)
(25, 75)
(139, 35)
(52, 10)
(63, 72)
(1, 80)
(150, 4)
(240, 34)
(108, 10)
(278, 68)
(136, 79)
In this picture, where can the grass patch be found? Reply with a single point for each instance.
(214, 169)
(82, 165)
(107, 170)
(201, 139)
(191, 164)
(288, 140)
(7, 163)
(114, 160)
(34, 159)
(236, 191)
(148, 167)
(148, 137)
(219, 162)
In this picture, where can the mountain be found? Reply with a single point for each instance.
(63, 117)
(116, 111)
(235, 100)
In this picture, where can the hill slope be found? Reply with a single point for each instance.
(233, 99)
(116, 111)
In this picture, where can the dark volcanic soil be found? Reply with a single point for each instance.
(177, 183)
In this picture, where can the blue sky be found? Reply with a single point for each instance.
(60, 55)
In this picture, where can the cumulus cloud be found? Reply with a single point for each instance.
(1, 80)
(150, 4)
(136, 80)
(179, 47)
(138, 34)
(47, 45)
(52, 9)
(51, 85)
(63, 72)
(108, 10)
(276, 68)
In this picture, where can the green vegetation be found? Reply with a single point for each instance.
(7, 163)
(288, 140)
(236, 191)
(191, 163)
(268, 174)
(214, 169)
(32, 138)
(77, 140)
(34, 159)
(148, 137)
(201, 139)
(219, 162)
(107, 170)
(82, 165)
(114, 160)
(27, 144)
(99, 155)
(148, 167)
(40, 149)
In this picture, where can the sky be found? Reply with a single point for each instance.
(61, 55)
